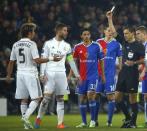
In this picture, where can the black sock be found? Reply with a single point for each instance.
(134, 108)
(124, 109)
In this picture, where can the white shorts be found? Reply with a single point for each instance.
(28, 84)
(56, 83)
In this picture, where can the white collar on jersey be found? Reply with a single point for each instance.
(57, 40)
(25, 39)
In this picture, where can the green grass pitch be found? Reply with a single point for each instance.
(13, 123)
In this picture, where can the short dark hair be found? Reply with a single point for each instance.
(26, 28)
(60, 26)
(84, 29)
(142, 29)
(130, 28)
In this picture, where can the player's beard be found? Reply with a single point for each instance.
(63, 37)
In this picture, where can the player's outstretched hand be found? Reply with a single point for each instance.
(109, 14)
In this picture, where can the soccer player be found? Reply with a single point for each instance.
(133, 55)
(55, 73)
(25, 53)
(141, 36)
(111, 49)
(87, 53)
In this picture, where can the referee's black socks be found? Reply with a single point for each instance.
(134, 108)
(124, 109)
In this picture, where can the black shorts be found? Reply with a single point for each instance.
(128, 80)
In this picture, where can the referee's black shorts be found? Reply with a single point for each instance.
(128, 80)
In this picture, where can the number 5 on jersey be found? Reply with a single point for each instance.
(22, 55)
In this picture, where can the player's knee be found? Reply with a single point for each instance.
(132, 98)
(82, 98)
(24, 101)
(37, 100)
(111, 97)
(91, 96)
(118, 97)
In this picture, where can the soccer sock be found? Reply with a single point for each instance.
(97, 109)
(60, 112)
(134, 108)
(145, 110)
(83, 110)
(43, 106)
(31, 109)
(111, 107)
(92, 105)
(124, 109)
(23, 108)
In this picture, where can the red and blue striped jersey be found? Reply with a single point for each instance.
(87, 57)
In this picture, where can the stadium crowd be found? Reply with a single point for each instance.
(75, 13)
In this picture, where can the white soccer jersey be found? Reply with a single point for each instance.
(52, 48)
(24, 51)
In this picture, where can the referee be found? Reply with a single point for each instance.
(128, 78)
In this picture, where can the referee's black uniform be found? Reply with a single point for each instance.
(128, 78)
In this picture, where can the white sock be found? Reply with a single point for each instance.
(43, 106)
(31, 109)
(42, 110)
(60, 112)
(23, 108)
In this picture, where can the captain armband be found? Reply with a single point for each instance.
(69, 57)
